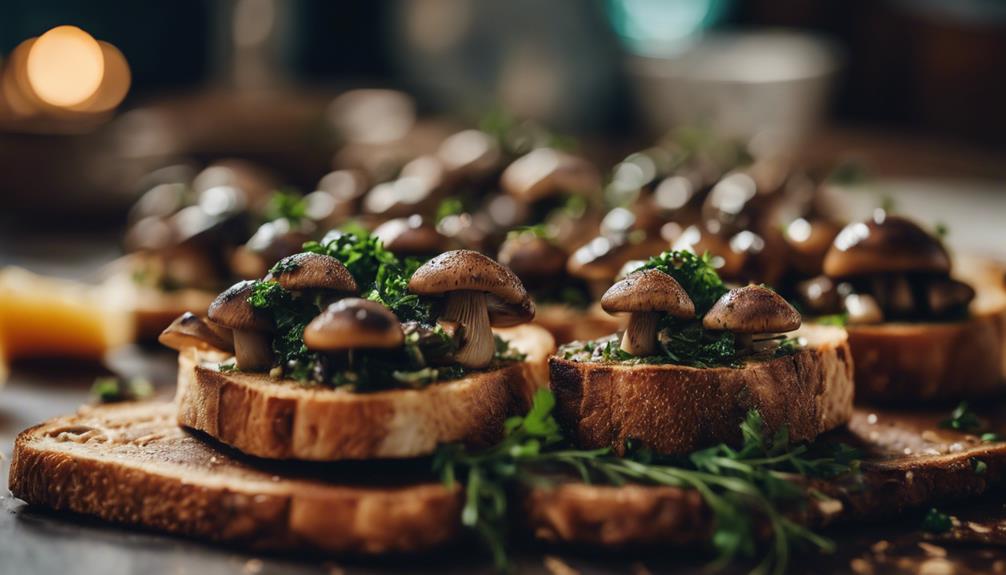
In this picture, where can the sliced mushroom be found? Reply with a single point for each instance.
(751, 310)
(252, 328)
(480, 293)
(411, 236)
(646, 295)
(189, 330)
(885, 244)
(353, 323)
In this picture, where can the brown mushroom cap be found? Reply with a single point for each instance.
(189, 330)
(532, 257)
(885, 244)
(231, 309)
(649, 290)
(467, 270)
(545, 172)
(410, 236)
(752, 309)
(309, 270)
(353, 323)
(470, 153)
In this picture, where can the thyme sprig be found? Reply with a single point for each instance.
(746, 489)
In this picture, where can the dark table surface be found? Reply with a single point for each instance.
(36, 541)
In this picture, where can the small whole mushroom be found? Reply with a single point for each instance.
(755, 313)
(646, 295)
(480, 293)
(353, 323)
(251, 327)
(190, 331)
(318, 276)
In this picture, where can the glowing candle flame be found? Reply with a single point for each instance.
(65, 66)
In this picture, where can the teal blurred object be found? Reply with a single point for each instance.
(664, 27)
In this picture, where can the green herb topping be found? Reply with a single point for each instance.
(111, 389)
(745, 488)
(962, 419)
(683, 342)
(936, 522)
(382, 277)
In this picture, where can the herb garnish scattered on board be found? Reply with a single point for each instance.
(745, 489)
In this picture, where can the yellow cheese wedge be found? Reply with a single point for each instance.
(49, 317)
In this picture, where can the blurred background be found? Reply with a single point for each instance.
(913, 87)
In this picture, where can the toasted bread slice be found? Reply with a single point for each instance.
(676, 410)
(282, 419)
(132, 464)
(904, 362)
(908, 464)
(154, 309)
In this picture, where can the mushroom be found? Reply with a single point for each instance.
(645, 295)
(272, 242)
(480, 293)
(546, 172)
(470, 154)
(411, 236)
(353, 323)
(250, 325)
(313, 273)
(600, 259)
(947, 296)
(751, 310)
(189, 330)
(862, 309)
(885, 244)
(808, 241)
(534, 259)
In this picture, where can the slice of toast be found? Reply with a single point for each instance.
(282, 419)
(132, 464)
(909, 463)
(676, 410)
(904, 362)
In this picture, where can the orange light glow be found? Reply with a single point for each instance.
(114, 84)
(65, 66)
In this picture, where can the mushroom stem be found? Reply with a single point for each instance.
(469, 309)
(743, 341)
(252, 350)
(640, 337)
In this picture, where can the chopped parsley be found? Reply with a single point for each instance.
(936, 522)
(963, 419)
(695, 273)
(743, 488)
(112, 389)
(286, 204)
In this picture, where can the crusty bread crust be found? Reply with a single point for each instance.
(677, 410)
(939, 468)
(132, 464)
(281, 419)
(906, 362)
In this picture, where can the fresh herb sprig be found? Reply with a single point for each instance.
(744, 488)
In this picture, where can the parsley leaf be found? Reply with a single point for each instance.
(936, 522)
(962, 419)
(695, 273)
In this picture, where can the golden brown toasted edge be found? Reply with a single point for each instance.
(636, 515)
(277, 419)
(910, 362)
(134, 466)
(677, 410)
